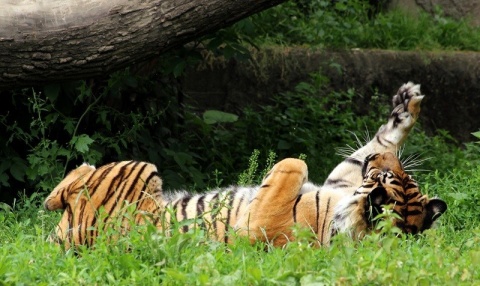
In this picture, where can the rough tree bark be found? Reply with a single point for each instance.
(55, 40)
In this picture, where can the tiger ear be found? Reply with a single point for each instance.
(377, 197)
(435, 208)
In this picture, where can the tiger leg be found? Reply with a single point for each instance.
(347, 176)
(269, 216)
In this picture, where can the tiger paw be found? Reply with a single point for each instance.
(406, 103)
(406, 108)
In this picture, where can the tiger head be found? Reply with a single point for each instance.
(385, 182)
(59, 197)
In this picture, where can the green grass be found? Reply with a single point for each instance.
(447, 255)
(346, 24)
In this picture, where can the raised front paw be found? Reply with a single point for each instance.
(407, 101)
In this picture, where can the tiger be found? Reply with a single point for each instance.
(348, 202)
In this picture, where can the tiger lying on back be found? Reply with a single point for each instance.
(352, 195)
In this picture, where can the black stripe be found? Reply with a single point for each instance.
(230, 206)
(239, 205)
(120, 194)
(80, 221)
(200, 210)
(99, 179)
(133, 195)
(295, 208)
(185, 201)
(367, 186)
(175, 207)
(317, 204)
(126, 178)
(411, 186)
(200, 206)
(214, 211)
(70, 223)
(109, 191)
(414, 212)
(415, 204)
(343, 186)
(413, 195)
(340, 182)
(396, 183)
(397, 120)
(353, 161)
(267, 175)
(132, 191)
(65, 191)
(380, 141)
(325, 220)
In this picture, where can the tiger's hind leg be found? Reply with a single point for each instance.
(269, 215)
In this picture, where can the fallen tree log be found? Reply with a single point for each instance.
(56, 40)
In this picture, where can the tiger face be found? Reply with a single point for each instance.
(385, 182)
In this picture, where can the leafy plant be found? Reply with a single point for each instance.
(476, 134)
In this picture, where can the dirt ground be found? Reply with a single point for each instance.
(450, 81)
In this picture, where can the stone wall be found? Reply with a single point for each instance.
(451, 81)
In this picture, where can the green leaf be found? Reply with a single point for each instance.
(215, 116)
(81, 143)
(178, 69)
(69, 126)
(476, 134)
(4, 180)
(52, 91)
(18, 169)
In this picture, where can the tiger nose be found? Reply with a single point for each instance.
(389, 156)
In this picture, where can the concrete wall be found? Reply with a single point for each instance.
(451, 81)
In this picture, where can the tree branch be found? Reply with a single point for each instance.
(74, 39)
